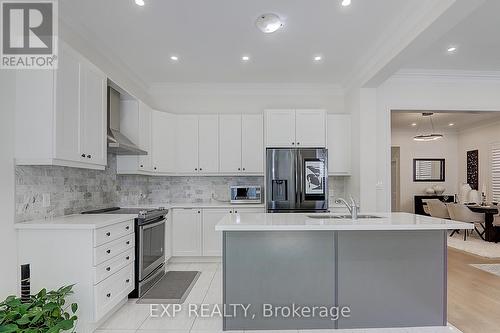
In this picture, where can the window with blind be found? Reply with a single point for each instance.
(495, 171)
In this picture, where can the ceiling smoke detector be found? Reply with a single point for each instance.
(268, 23)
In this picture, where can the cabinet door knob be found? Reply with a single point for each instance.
(243, 169)
(89, 156)
(108, 268)
(127, 280)
(195, 169)
(83, 155)
(201, 169)
(293, 143)
(236, 211)
(127, 258)
(128, 242)
(108, 234)
(108, 295)
(230, 212)
(199, 212)
(142, 166)
(154, 168)
(239, 169)
(108, 251)
(127, 227)
(298, 143)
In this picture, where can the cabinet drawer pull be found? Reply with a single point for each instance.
(89, 156)
(108, 251)
(108, 268)
(108, 234)
(108, 295)
(127, 280)
(83, 155)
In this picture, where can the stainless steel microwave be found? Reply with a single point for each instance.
(245, 194)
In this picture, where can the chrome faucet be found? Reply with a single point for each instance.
(353, 207)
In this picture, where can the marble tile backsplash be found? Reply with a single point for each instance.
(49, 191)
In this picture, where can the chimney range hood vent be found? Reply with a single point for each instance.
(118, 143)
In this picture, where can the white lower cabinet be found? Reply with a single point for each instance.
(212, 239)
(186, 232)
(98, 261)
(193, 231)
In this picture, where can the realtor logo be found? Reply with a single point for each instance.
(29, 34)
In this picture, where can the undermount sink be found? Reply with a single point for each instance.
(328, 216)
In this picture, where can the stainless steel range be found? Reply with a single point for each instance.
(149, 244)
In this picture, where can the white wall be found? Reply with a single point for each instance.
(446, 148)
(458, 92)
(8, 236)
(244, 98)
(481, 138)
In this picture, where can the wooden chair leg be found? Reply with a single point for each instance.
(465, 234)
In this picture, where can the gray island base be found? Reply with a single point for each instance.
(385, 278)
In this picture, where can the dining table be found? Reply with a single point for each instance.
(491, 233)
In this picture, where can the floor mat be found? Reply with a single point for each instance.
(173, 288)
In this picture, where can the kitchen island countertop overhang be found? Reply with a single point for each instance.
(321, 221)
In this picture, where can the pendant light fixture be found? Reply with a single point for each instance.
(431, 135)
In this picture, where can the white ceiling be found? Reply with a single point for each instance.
(211, 36)
(462, 120)
(477, 39)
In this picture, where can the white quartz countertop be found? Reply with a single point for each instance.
(303, 221)
(76, 221)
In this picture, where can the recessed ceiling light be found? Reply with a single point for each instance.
(451, 49)
(268, 23)
(414, 124)
(346, 3)
(174, 58)
(245, 58)
(139, 2)
(451, 124)
(317, 58)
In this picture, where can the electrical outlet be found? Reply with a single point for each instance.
(46, 200)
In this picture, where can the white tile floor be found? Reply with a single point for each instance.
(135, 318)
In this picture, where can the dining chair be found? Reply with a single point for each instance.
(462, 213)
(437, 209)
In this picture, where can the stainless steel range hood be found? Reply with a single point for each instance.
(118, 143)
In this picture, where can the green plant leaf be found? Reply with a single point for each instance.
(8, 328)
(74, 307)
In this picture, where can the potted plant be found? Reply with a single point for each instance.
(43, 312)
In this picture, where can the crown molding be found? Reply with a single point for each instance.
(246, 89)
(452, 75)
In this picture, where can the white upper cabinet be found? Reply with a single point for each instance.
(280, 128)
(162, 141)
(339, 144)
(144, 125)
(186, 147)
(63, 122)
(68, 106)
(93, 114)
(296, 128)
(230, 143)
(310, 128)
(208, 143)
(252, 143)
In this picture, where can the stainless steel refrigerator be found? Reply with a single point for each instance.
(296, 180)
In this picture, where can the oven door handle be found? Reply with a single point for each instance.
(152, 225)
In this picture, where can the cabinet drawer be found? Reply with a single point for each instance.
(111, 291)
(111, 266)
(112, 232)
(113, 248)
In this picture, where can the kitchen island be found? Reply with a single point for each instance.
(323, 271)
